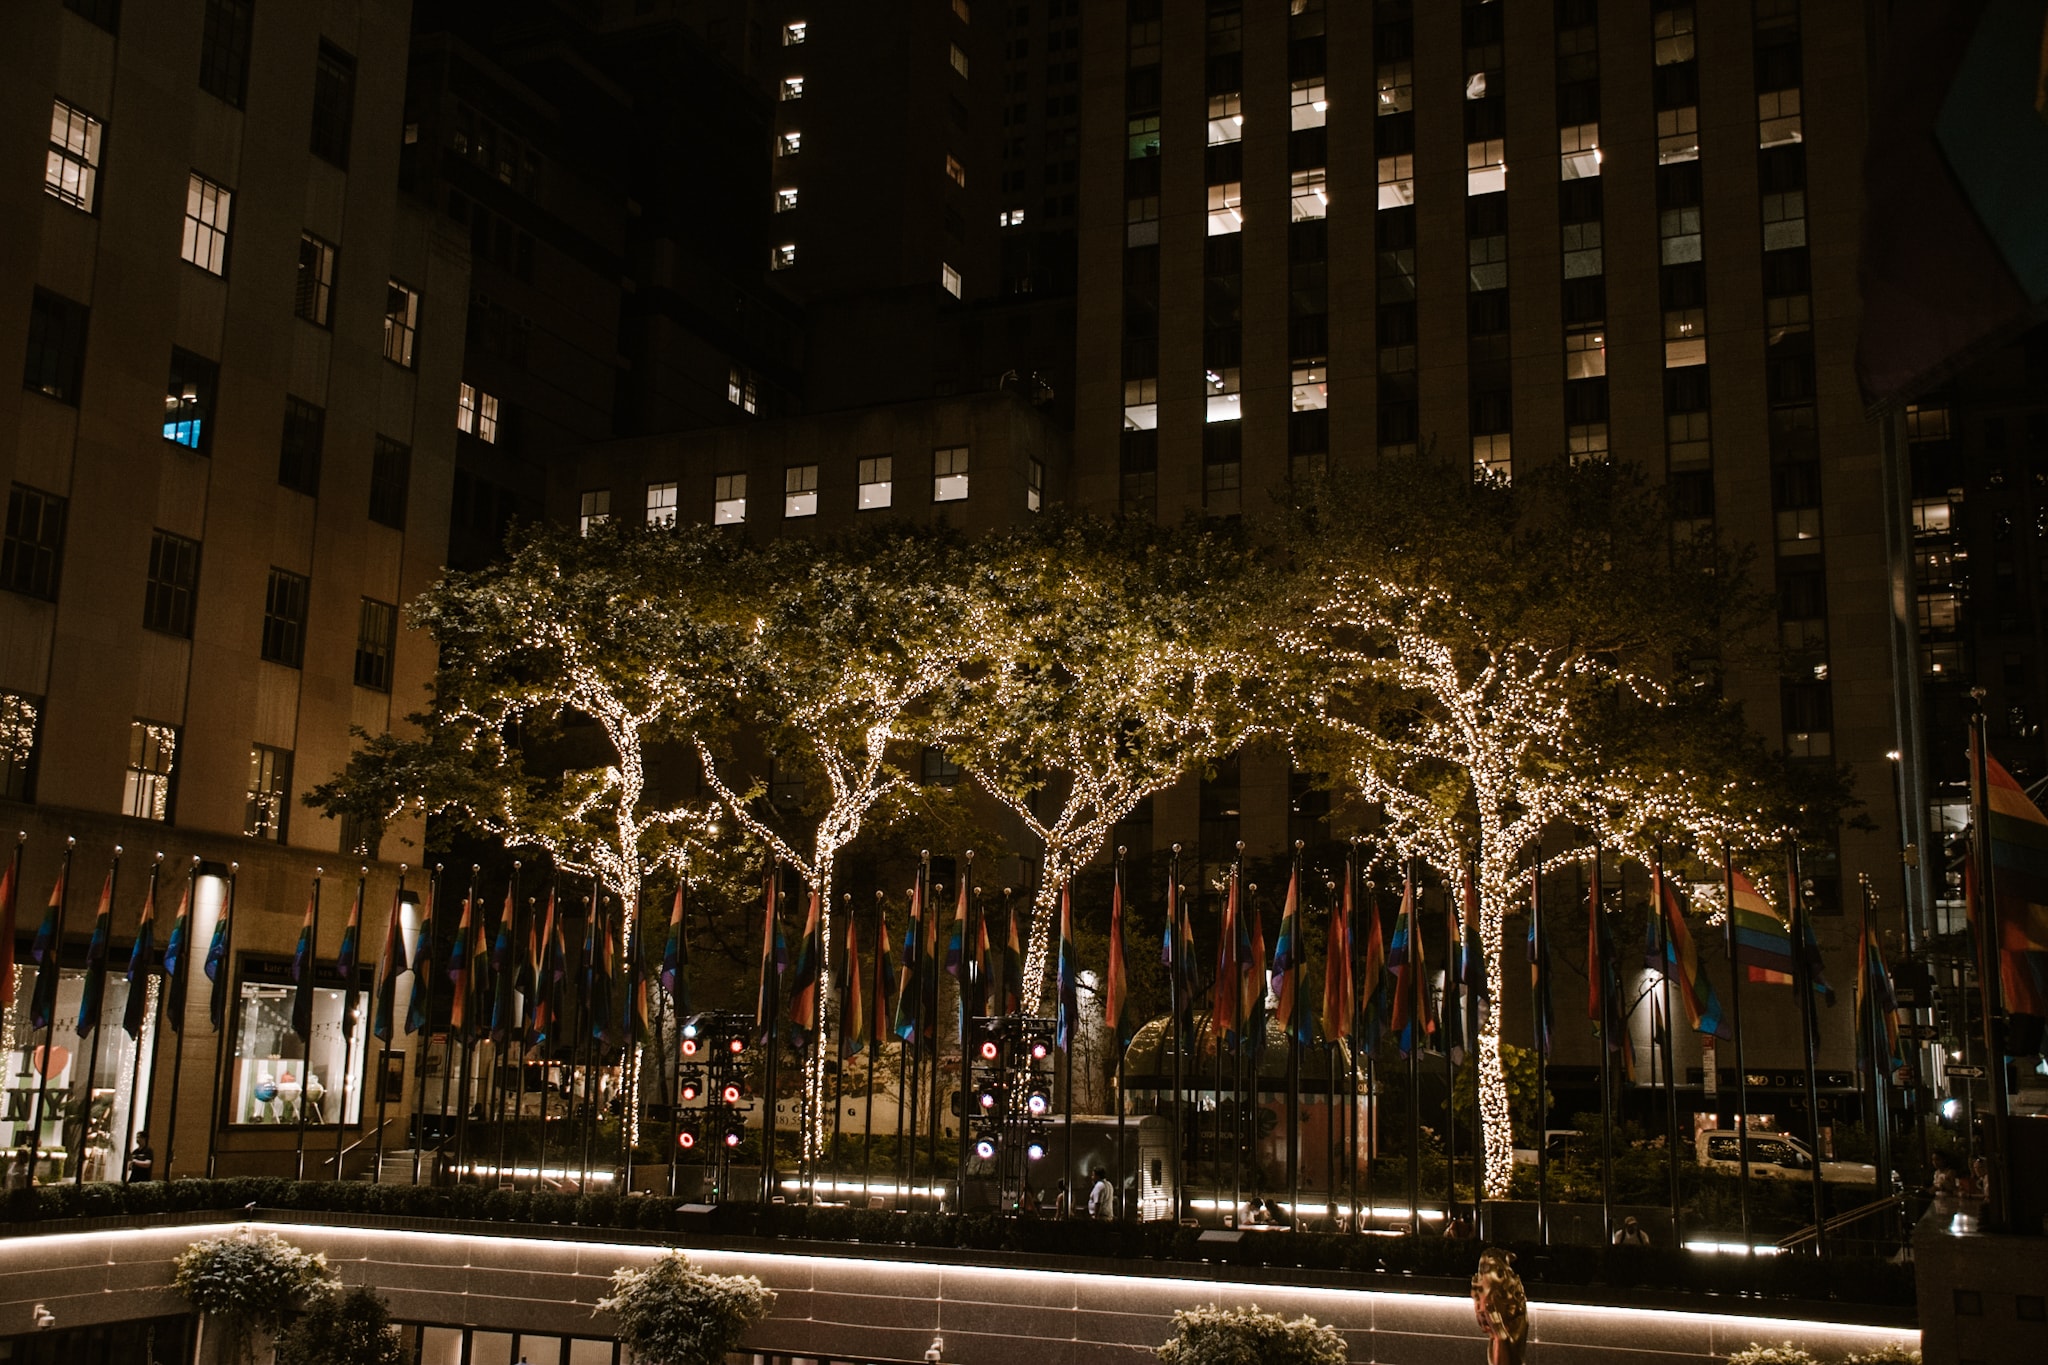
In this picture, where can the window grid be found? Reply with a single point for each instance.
(376, 644)
(284, 618)
(152, 763)
(224, 50)
(800, 490)
(949, 474)
(728, 499)
(189, 399)
(334, 97)
(56, 346)
(594, 509)
(33, 547)
(172, 584)
(401, 322)
(477, 413)
(390, 479)
(305, 436)
(206, 224)
(313, 297)
(72, 173)
(661, 504)
(270, 780)
(877, 487)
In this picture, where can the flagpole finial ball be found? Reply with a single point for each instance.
(475, 868)
(117, 850)
(1176, 850)
(70, 842)
(1240, 846)
(1121, 851)
(970, 855)
(234, 868)
(363, 870)
(1300, 844)
(159, 855)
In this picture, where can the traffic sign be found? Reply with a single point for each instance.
(1966, 1073)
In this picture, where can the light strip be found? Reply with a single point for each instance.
(516, 1172)
(1343, 1210)
(1731, 1248)
(848, 1186)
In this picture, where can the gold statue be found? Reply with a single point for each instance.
(1501, 1306)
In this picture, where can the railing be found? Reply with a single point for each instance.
(1841, 1220)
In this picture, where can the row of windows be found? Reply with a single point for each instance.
(800, 491)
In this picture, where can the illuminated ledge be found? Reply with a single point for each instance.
(887, 1304)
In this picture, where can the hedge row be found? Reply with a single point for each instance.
(1843, 1279)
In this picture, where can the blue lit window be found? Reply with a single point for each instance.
(188, 401)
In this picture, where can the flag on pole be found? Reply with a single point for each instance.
(1251, 968)
(136, 1008)
(1224, 1019)
(1068, 974)
(2018, 835)
(96, 960)
(177, 948)
(928, 960)
(1013, 968)
(217, 960)
(984, 967)
(390, 966)
(480, 972)
(1412, 1018)
(7, 908)
(1115, 993)
(1539, 968)
(549, 975)
(1371, 985)
(604, 1021)
(422, 965)
(345, 960)
(956, 937)
(1603, 979)
(882, 1009)
(505, 973)
(43, 951)
(907, 1020)
(1453, 1009)
(675, 955)
(1679, 960)
(803, 976)
(1874, 995)
(303, 968)
(1763, 941)
(458, 973)
(1339, 1005)
(774, 962)
(853, 1014)
(1177, 949)
(1287, 955)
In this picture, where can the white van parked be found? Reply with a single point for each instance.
(1776, 1156)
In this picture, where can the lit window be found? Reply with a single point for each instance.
(1311, 387)
(1397, 181)
(1492, 457)
(1585, 354)
(949, 474)
(206, 224)
(785, 199)
(276, 1076)
(1808, 744)
(1226, 121)
(72, 173)
(728, 499)
(789, 143)
(1397, 87)
(739, 388)
(1311, 104)
(1679, 230)
(949, 279)
(1578, 150)
(1144, 136)
(1011, 218)
(959, 60)
(792, 87)
(956, 172)
(1226, 208)
(476, 412)
(1777, 118)
(152, 760)
(188, 400)
(794, 32)
(877, 489)
(782, 257)
(1799, 531)
(1141, 404)
(1486, 170)
(594, 508)
(1311, 194)
(1678, 135)
(313, 296)
(1034, 484)
(401, 322)
(1932, 516)
(1487, 261)
(1221, 386)
(800, 490)
(1926, 423)
(1673, 27)
(1582, 251)
(1685, 337)
(270, 780)
(1784, 220)
(661, 504)
(1141, 215)
(21, 720)
(1586, 441)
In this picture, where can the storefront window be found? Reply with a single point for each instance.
(99, 1129)
(273, 1074)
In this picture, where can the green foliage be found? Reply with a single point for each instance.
(1526, 1101)
(672, 1313)
(341, 1329)
(247, 1281)
(1780, 1353)
(1249, 1336)
(1891, 1353)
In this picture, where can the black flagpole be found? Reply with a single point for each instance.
(1123, 1160)
(839, 1069)
(519, 1027)
(771, 996)
(498, 1050)
(1330, 1092)
(965, 981)
(1735, 972)
(1537, 999)
(35, 1156)
(540, 968)
(1670, 1043)
(467, 934)
(220, 1030)
(426, 1029)
(306, 1043)
(1609, 1007)
(1450, 1002)
(136, 1086)
(867, 1135)
(1293, 1026)
(1990, 981)
(1357, 1136)
(383, 1095)
(580, 1054)
(177, 1022)
(92, 1063)
(1179, 1006)
(629, 1056)
(348, 1009)
(1418, 1005)
(1803, 983)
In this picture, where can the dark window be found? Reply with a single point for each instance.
(1809, 707)
(284, 618)
(2030, 1308)
(1969, 1303)
(34, 544)
(173, 582)
(1585, 301)
(298, 458)
(1486, 314)
(1585, 400)
(188, 400)
(224, 50)
(376, 641)
(1308, 433)
(1802, 594)
(21, 726)
(334, 98)
(1686, 390)
(313, 297)
(1796, 484)
(1579, 201)
(390, 475)
(1692, 494)
(105, 13)
(56, 346)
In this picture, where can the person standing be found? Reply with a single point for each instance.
(1101, 1199)
(141, 1160)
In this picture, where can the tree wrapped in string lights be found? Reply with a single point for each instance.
(1482, 661)
(1110, 660)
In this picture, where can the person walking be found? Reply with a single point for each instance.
(1631, 1234)
(1101, 1199)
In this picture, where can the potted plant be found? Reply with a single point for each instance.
(1249, 1336)
(672, 1313)
(341, 1329)
(247, 1282)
